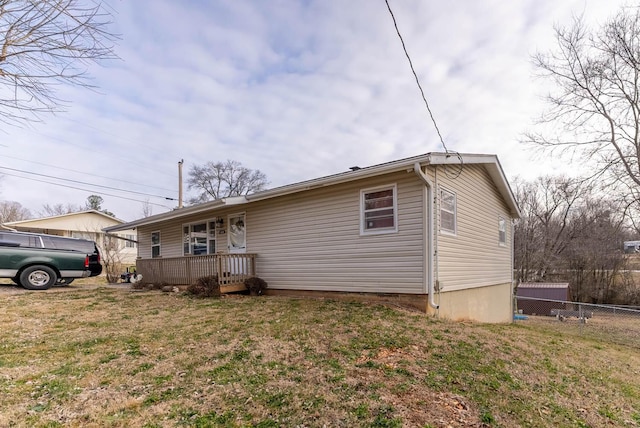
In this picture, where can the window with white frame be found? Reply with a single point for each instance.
(199, 238)
(130, 243)
(155, 244)
(379, 210)
(447, 211)
(502, 231)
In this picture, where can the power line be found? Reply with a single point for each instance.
(424, 98)
(87, 173)
(94, 150)
(86, 190)
(88, 184)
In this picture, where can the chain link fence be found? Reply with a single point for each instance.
(610, 323)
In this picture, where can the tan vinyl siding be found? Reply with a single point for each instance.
(474, 256)
(312, 241)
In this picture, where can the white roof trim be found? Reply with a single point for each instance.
(30, 220)
(491, 162)
(176, 213)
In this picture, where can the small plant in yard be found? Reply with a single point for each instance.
(255, 285)
(206, 286)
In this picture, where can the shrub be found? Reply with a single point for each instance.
(139, 285)
(206, 286)
(148, 286)
(255, 285)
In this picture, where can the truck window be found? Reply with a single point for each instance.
(21, 240)
(87, 247)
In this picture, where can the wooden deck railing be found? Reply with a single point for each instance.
(232, 269)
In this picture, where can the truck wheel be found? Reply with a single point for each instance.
(38, 278)
(64, 281)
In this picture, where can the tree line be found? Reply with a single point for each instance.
(566, 234)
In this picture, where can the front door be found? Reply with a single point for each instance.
(236, 233)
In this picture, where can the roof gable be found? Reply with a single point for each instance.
(89, 220)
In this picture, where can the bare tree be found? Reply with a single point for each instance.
(215, 180)
(13, 211)
(44, 43)
(58, 209)
(543, 233)
(596, 265)
(566, 234)
(111, 249)
(147, 209)
(594, 110)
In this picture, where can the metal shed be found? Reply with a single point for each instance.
(552, 295)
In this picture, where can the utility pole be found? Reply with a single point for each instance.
(180, 183)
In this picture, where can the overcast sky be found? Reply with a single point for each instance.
(298, 89)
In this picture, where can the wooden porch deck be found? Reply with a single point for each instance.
(232, 269)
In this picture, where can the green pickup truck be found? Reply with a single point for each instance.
(38, 262)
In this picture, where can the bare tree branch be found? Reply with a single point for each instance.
(13, 211)
(566, 235)
(216, 180)
(595, 104)
(44, 43)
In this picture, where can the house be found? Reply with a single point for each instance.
(88, 225)
(631, 247)
(432, 231)
(540, 298)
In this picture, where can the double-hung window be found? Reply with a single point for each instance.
(199, 238)
(155, 244)
(379, 208)
(502, 231)
(447, 211)
(130, 243)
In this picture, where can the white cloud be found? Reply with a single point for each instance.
(297, 89)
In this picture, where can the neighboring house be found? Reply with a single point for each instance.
(551, 295)
(88, 225)
(433, 231)
(631, 246)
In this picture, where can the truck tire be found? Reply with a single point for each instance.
(38, 277)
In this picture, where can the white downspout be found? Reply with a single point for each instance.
(514, 301)
(430, 234)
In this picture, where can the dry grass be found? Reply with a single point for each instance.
(108, 357)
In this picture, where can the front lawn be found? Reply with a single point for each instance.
(110, 357)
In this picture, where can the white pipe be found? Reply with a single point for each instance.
(430, 234)
(514, 305)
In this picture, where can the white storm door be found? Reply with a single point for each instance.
(237, 234)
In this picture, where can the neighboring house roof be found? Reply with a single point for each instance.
(490, 162)
(543, 285)
(49, 222)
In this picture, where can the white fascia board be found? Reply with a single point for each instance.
(492, 164)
